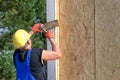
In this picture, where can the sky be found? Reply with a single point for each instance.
(2, 30)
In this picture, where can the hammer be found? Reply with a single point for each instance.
(48, 25)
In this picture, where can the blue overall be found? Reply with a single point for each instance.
(23, 68)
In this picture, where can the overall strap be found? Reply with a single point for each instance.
(27, 59)
(23, 68)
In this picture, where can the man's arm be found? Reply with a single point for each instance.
(31, 32)
(48, 54)
(54, 54)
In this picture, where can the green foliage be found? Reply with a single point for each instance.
(7, 69)
(14, 15)
(20, 14)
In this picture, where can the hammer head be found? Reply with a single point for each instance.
(51, 24)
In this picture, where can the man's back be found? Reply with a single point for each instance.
(28, 64)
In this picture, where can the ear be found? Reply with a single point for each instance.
(28, 41)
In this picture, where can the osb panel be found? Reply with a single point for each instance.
(107, 33)
(77, 39)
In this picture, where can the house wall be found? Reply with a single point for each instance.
(107, 36)
(89, 39)
(76, 19)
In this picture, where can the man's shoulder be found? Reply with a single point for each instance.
(36, 49)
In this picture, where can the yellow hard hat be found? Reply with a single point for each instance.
(20, 38)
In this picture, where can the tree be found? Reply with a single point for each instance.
(16, 14)
(19, 14)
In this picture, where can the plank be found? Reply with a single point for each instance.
(107, 33)
(76, 19)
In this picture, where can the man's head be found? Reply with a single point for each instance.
(21, 39)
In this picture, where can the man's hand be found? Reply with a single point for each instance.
(49, 34)
(36, 28)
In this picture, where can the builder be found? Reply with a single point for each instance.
(29, 61)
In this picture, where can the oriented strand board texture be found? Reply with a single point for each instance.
(107, 21)
(77, 40)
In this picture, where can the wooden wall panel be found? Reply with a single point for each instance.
(77, 39)
(107, 31)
